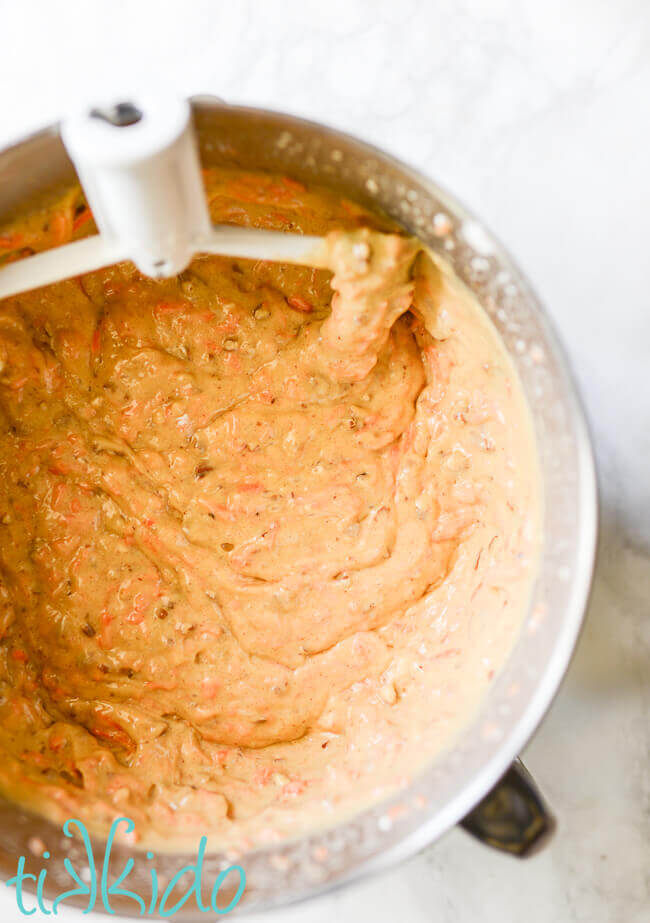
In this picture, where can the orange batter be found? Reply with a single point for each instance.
(262, 549)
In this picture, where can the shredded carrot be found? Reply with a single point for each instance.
(265, 397)
(107, 729)
(81, 219)
(33, 756)
(233, 361)
(263, 776)
(210, 687)
(11, 241)
(293, 184)
(300, 304)
(250, 486)
(296, 787)
(96, 341)
(61, 227)
(166, 307)
(59, 468)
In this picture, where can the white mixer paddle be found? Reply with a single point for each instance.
(140, 171)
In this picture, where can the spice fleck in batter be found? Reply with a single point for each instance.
(262, 547)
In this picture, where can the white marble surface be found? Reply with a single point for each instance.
(537, 114)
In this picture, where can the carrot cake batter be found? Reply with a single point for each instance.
(262, 546)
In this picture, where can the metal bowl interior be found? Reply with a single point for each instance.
(446, 790)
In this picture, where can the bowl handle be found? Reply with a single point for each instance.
(512, 817)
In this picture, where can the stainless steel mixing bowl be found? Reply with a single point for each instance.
(451, 788)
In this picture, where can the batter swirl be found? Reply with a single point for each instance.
(232, 508)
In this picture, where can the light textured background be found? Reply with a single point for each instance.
(536, 113)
